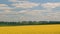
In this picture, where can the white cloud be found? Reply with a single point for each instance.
(51, 5)
(12, 0)
(34, 12)
(5, 9)
(22, 11)
(25, 4)
(16, 0)
(32, 15)
(2, 5)
(38, 15)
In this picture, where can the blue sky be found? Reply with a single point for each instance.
(29, 10)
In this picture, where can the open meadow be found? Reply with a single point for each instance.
(31, 29)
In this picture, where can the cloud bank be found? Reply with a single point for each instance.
(51, 5)
(29, 11)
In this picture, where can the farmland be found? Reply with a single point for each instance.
(31, 29)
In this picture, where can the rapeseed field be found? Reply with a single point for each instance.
(31, 29)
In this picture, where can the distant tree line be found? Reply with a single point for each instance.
(29, 23)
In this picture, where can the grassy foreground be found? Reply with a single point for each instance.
(32, 29)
